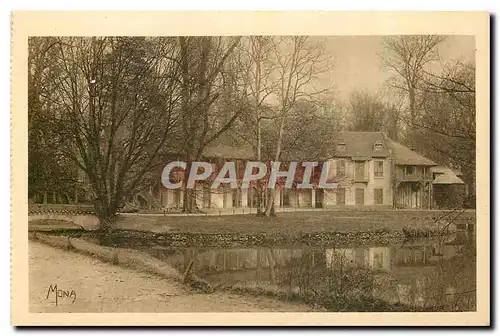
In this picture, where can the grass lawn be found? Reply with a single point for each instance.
(286, 223)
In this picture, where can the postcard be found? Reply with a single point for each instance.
(250, 168)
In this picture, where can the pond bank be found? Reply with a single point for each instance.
(256, 231)
(272, 232)
(204, 270)
(296, 222)
(185, 239)
(103, 287)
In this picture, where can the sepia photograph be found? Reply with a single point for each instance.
(264, 173)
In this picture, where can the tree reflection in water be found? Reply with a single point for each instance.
(427, 275)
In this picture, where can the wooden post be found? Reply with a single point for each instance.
(430, 194)
(394, 195)
(422, 191)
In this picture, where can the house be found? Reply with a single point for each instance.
(362, 164)
(371, 170)
(207, 198)
(378, 171)
(412, 177)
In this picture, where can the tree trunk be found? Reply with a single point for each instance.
(272, 193)
(270, 207)
(413, 116)
(259, 187)
(107, 218)
(189, 199)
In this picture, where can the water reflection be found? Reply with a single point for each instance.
(428, 275)
(377, 258)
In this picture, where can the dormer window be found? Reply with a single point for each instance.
(341, 147)
(378, 146)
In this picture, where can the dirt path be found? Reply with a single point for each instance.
(102, 287)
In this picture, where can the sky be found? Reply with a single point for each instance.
(357, 64)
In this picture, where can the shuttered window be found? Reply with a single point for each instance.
(379, 169)
(341, 196)
(378, 196)
(359, 168)
(340, 167)
(359, 196)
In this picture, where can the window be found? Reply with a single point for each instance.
(379, 168)
(359, 169)
(378, 146)
(340, 168)
(378, 196)
(341, 196)
(410, 170)
(359, 196)
(341, 147)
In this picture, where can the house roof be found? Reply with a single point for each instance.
(440, 169)
(446, 175)
(361, 145)
(229, 152)
(448, 178)
(405, 156)
(358, 146)
(443, 169)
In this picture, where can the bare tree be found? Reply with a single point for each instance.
(298, 65)
(57, 174)
(206, 74)
(39, 58)
(117, 104)
(448, 124)
(258, 67)
(368, 113)
(407, 57)
(372, 113)
(310, 133)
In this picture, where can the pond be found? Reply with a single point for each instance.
(436, 274)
